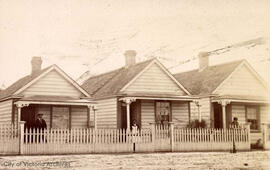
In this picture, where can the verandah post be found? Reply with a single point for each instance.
(171, 135)
(248, 134)
(21, 137)
(265, 135)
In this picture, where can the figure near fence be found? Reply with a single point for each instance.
(40, 123)
(235, 123)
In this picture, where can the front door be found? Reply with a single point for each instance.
(217, 115)
(28, 115)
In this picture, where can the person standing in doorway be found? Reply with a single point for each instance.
(40, 125)
(40, 122)
(235, 123)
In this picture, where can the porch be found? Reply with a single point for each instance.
(58, 112)
(147, 109)
(254, 111)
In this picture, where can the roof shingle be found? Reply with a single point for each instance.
(206, 81)
(20, 83)
(111, 83)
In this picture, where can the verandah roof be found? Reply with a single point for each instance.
(57, 100)
(242, 99)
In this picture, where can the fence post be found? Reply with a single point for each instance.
(265, 135)
(21, 137)
(171, 135)
(248, 132)
(153, 131)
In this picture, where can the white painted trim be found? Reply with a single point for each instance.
(171, 76)
(158, 98)
(256, 74)
(73, 82)
(54, 103)
(236, 69)
(33, 81)
(136, 77)
(62, 73)
(146, 68)
(241, 101)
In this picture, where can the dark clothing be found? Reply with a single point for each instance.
(40, 124)
(234, 124)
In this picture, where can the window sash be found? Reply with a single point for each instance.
(252, 117)
(163, 111)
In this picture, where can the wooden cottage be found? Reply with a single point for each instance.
(50, 91)
(227, 91)
(144, 92)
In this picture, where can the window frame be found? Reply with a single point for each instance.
(170, 109)
(257, 116)
(68, 114)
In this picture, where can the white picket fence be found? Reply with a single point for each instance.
(211, 139)
(155, 139)
(9, 140)
(56, 141)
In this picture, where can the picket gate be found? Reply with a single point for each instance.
(9, 139)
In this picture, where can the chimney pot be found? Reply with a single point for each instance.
(36, 64)
(203, 60)
(130, 57)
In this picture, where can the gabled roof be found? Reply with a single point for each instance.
(111, 83)
(27, 81)
(204, 82)
(21, 83)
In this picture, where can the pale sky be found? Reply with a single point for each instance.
(81, 35)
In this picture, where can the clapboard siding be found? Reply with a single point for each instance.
(45, 109)
(265, 114)
(5, 111)
(52, 84)
(78, 117)
(205, 109)
(239, 111)
(154, 80)
(194, 113)
(147, 113)
(107, 113)
(242, 82)
(180, 116)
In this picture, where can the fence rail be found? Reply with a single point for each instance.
(158, 138)
(9, 140)
(211, 139)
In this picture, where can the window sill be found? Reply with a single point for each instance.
(255, 131)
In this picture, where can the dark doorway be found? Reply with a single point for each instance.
(28, 115)
(134, 114)
(123, 115)
(217, 115)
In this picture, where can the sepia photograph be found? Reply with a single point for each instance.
(124, 84)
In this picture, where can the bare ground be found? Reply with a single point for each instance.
(189, 160)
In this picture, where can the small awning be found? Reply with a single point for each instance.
(242, 99)
(56, 100)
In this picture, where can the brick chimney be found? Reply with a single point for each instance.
(36, 64)
(130, 57)
(203, 60)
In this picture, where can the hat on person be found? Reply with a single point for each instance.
(40, 114)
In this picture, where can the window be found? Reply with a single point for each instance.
(60, 117)
(163, 112)
(253, 117)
